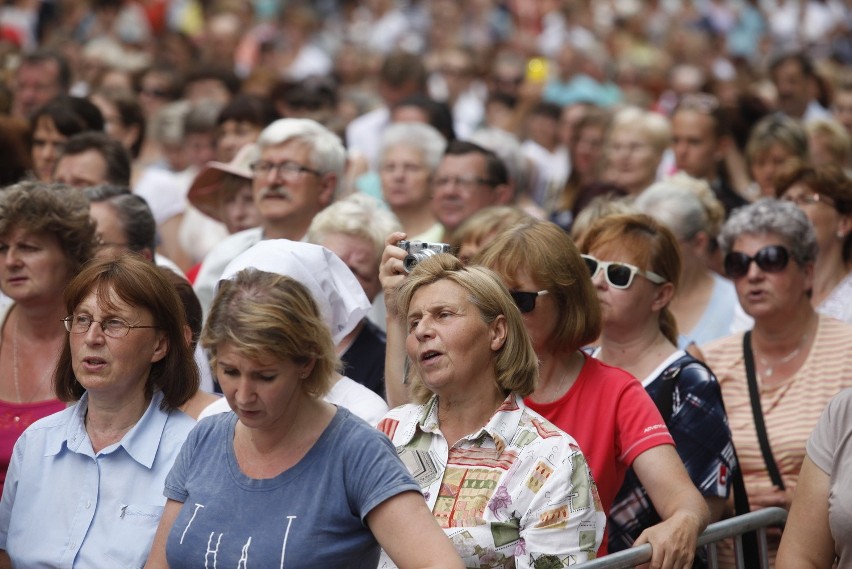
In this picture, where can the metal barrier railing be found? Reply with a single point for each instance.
(732, 527)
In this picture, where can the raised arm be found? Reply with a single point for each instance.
(682, 508)
(806, 542)
(391, 274)
(157, 557)
(409, 534)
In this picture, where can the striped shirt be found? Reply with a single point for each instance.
(791, 408)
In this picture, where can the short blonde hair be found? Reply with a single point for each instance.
(515, 365)
(269, 315)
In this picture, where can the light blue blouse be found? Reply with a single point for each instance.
(66, 506)
(718, 317)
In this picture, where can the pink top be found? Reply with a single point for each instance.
(14, 419)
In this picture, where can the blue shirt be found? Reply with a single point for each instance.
(699, 426)
(312, 513)
(66, 506)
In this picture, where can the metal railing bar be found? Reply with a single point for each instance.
(730, 527)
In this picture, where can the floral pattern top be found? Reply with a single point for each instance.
(516, 493)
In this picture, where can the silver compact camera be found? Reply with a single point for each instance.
(419, 250)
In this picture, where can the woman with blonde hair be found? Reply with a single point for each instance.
(470, 439)
(635, 147)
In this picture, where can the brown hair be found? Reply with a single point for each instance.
(827, 180)
(653, 246)
(53, 209)
(269, 315)
(140, 284)
(550, 258)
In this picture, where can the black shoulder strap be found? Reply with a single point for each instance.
(756, 410)
(664, 398)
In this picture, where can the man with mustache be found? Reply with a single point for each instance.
(298, 174)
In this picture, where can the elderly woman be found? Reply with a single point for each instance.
(46, 235)
(283, 445)
(635, 263)
(84, 488)
(704, 303)
(816, 535)
(824, 193)
(603, 407)
(507, 486)
(637, 141)
(777, 378)
(409, 155)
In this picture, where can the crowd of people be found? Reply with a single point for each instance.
(422, 283)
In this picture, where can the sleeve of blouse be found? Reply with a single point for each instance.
(10, 488)
(374, 471)
(175, 485)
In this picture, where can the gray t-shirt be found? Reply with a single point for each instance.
(830, 448)
(311, 515)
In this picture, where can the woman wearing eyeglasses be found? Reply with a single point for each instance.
(824, 193)
(799, 359)
(84, 488)
(604, 408)
(635, 266)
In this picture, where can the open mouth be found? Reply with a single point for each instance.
(429, 355)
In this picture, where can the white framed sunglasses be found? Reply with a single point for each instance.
(619, 275)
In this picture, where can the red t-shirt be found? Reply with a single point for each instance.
(614, 420)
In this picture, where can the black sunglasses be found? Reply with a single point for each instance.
(526, 300)
(772, 259)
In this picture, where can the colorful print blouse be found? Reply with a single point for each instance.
(515, 493)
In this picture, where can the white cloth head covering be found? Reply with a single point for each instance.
(335, 289)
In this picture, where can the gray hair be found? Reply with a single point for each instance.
(779, 217)
(422, 137)
(684, 204)
(133, 214)
(358, 215)
(327, 152)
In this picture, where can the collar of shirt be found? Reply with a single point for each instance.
(137, 442)
(500, 428)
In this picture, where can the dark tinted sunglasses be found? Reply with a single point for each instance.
(619, 275)
(526, 300)
(771, 259)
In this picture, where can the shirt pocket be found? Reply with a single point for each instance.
(132, 535)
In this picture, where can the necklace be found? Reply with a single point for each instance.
(770, 369)
(15, 369)
(556, 389)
